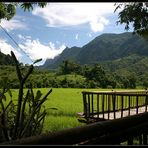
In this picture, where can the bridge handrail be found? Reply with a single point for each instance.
(99, 133)
(100, 102)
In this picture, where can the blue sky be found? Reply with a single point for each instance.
(46, 32)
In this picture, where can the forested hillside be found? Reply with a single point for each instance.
(109, 61)
(106, 47)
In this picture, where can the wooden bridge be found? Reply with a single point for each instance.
(109, 105)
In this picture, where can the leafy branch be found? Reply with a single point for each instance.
(26, 118)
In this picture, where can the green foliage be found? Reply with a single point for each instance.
(8, 10)
(97, 74)
(28, 6)
(69, 66)
(106, 75)
(25, 118)
(129, 15)
(6, 59)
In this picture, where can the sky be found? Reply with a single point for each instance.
(46, 32)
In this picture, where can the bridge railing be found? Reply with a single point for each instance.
(106, 105)
(128, 131)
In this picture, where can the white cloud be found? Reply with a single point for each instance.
(23, 37)
(13, 24)
(76, 37)
(97, 24)
(69, 14)
(36, 50)
(33, 49)
(89, 34)
(6, 48)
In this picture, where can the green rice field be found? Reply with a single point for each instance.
(67, 101)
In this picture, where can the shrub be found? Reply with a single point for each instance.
(25, 118)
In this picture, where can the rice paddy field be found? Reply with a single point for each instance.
(65, 104)
(68, 103)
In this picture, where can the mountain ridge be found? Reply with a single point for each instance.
(106, 47)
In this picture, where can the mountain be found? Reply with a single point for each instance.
(68, 53)
(6, 59)
(106, 47)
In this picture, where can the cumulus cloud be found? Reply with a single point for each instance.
(36, 50)
(6, 48)
(98, 24)
(69, 14)
(20, 36)
(13, 24)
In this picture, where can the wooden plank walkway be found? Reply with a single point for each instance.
(118, 113)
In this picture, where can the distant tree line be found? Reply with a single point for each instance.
(97, 76)
(71, 74)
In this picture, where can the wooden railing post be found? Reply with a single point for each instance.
(98, 107)
(103, 105)
(88, 105)
(108, 101)
(114, 104)
(146, 102)
(85, 105)
(137, 105)
(122, 101)
(129, 104)
(92, 105)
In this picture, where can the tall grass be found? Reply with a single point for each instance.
(68, 102)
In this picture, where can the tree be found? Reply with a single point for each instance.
(69, 66)
(136, 13)
(8, 10)
(97, 74)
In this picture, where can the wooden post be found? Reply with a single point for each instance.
(114, 104)
(108, 97)
(103, 105)
(92, 105)
(122, 106)
(129, 103)
(85, 105)
(146, 102)
(88, 105)
(136, 104)
(98, 105)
